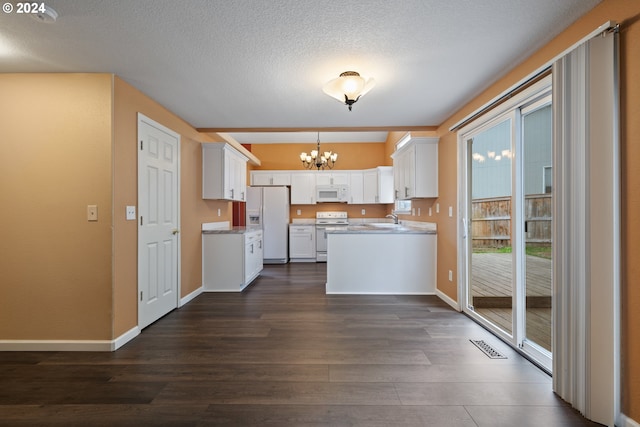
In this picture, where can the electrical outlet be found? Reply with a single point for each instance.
(298, 212)
(430, 212)
(437, 207)
(219, 212)
(363, 212)
(450, 276)
(131, 213)
(450, 211)
(418, 211)
(413, 211)
(92, 212)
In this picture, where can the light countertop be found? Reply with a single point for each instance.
(380, 228)
(233, 230)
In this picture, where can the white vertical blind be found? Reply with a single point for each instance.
(586, 309)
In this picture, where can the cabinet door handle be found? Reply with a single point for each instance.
(232, 190)
(252, 248)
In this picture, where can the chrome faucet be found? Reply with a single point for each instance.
(394, 217)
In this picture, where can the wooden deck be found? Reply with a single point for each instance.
(491, 293)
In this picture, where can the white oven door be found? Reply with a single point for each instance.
(321, 238)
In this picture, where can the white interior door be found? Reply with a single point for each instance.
(158, 231)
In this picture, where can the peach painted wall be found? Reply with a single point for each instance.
(350, 156)
(627, 13)
(447, 174)
(55, 134)
(193, 209)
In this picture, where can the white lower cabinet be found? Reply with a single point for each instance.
(302, 243)
(231, 260)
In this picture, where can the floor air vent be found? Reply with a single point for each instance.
(488, 350)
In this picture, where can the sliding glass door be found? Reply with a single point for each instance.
(537, 244)
(508, 169)
(490, 189)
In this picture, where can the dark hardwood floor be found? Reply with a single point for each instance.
(283, 353)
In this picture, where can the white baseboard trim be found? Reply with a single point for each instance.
(69, 345)
(188, 298)
(444, 297)
(380, 293)
(628, 422)
(125, 338)
(56, 345)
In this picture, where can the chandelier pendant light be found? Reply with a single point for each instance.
(348, 88)
(318, 159)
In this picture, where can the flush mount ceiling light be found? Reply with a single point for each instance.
(44, 13)
(318, 159)
(348, 88)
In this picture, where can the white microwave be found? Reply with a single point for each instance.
(332, 193)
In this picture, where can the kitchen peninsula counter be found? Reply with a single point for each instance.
(380, 228)
(232, 230)
(382, 258)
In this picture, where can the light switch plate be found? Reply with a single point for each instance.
(92, 212)
(450, 211)
(131, 213)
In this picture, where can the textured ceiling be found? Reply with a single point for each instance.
(249, 64)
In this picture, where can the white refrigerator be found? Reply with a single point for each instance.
(268, 207)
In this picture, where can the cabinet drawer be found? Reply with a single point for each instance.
(252, 236)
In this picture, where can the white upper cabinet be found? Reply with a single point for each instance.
(303, 188)
(385, 184)
(378, 185)
(356, 187)
(370, 186)
(270, 178)
(224, 172)
(332, 178)
(415, 169)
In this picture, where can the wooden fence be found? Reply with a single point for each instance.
(491, 221)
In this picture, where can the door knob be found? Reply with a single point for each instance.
(175, 231)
